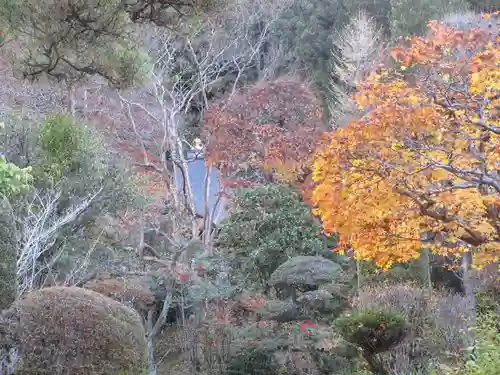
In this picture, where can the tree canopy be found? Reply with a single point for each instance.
(272, 125)
(425, 159)
(71, 39)
(268, 225)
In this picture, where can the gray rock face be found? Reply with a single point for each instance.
(281, 311)
(306, 270)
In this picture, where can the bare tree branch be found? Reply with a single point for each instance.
(184, 69)
(38, 232)
(359, 45)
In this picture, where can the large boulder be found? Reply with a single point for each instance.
(281, 311)
(74, 331)
(306, 270)
(318, 303)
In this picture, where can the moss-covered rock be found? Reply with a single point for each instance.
(319, 302)
(306, 270)
(78, 330)
(281, 311)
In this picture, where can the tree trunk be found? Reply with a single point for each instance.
(152, 330)
(469, 339)
(152, 370)
(425, 261)
(359, 274)
(425, 269)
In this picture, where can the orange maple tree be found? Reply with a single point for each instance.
(425, 159)
(275, 126)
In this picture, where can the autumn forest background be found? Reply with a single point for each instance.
(234, 187)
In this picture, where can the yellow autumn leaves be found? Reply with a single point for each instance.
(419, 159)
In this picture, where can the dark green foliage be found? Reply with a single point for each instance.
(72, 39)
(399, 273)
(319, 303)
(486, 303)
(487, 335)
(484, 5)
(253, 360)
(379, 10)
(410, 17)
(306, 31)
(66, 38)
(8, 258)
(342, 291)
(281, 311)
(168, 12)
(343, 359)
(268, 225)
(373, 329)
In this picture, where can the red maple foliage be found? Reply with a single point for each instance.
(274, 125)
(306, 325)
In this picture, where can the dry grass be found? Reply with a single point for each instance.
(438, 321)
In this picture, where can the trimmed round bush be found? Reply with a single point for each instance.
(373, 329)
(75, 331)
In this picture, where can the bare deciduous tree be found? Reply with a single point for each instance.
(359, 45)
(185, 67)
(36, 233)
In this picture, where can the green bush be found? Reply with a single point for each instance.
(123, 65)
(486, 304)
(69, 160)
(13, 179)
(67, 147)
(73, 156)
(436, 325)
(8, 258)
(487, 346)
(373, 329)
(268, 225)
(484, 5)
